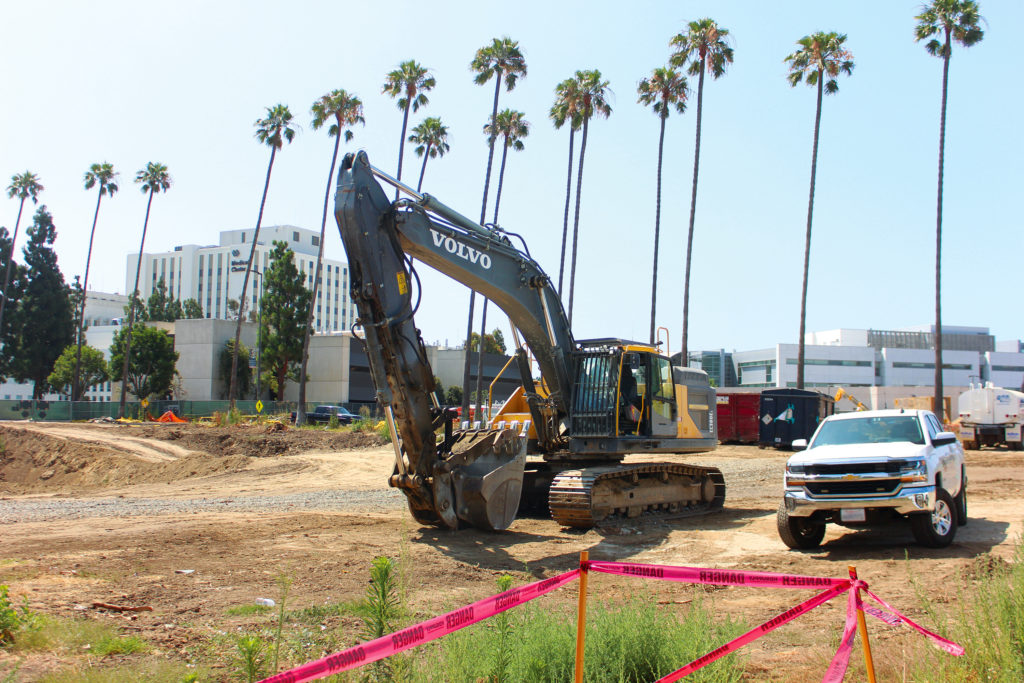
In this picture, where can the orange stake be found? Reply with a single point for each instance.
(581, 616)
(863, 628)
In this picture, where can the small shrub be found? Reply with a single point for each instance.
(364, 412)
(13, 619)
(332, 421)
(383, 432)
(251, 657)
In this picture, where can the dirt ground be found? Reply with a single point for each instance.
(66, 564)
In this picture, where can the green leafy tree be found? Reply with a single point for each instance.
(493, 343)
(136, 309)
(453, 397)
(431, 140)
(511, 126)
(821, 59)
(81, 365)
(23, 186)
(151, 370)
(593, 101)
(191, 309)
(244, 371)
(45, 318)
(15, 290)
(409, 83)
(151, 180)
(272, 130)
(950, 20)
(665, 89)
(501, 60)
(103, 176)
(286, 303)
(566, 110)
(705, 45)
(344, 111)
(162, 307)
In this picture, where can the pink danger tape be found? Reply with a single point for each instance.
(758, 631)
(421, 633)
(841, 661)
(720, 577)
(937, 640)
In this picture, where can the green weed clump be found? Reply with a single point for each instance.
(14, 619)
(627, 643)
(987, 619)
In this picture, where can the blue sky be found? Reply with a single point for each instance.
(181, 83)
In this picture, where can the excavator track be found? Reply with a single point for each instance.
(584, 497)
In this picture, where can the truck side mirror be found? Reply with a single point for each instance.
(799, 444)
(944, 438)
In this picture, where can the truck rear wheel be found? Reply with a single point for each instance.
(938, 528)
(799, 533)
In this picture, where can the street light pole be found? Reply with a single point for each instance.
(259, 330)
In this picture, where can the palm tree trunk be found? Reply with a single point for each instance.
(131, 313)
(10, 260)
(565, 217)
(76, 393)
(576, 221)
(483, 310)
(300, 412)
(233, 386)
(483, 217)
(685, 353)
(657, 223)
(807, 242)
(939, 407)
(423, 168)
(401, 144)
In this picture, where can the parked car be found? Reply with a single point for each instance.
(322, 415)
(870, 467)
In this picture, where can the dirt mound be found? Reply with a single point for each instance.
(255, 440)
(31, 462)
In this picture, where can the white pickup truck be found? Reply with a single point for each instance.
(872, 466)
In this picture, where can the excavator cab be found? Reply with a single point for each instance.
(628, 397)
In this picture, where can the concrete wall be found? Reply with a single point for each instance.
(199, 343)
(1004, 369)
(327, 376)
(916, 367)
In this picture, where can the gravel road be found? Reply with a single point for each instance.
(47, 509)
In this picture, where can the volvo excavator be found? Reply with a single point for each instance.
(595, 401)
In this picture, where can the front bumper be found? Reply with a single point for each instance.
(906, 501)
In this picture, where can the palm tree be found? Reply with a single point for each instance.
(409, 82)
(23, 186)
(706, 46)
(512, 127)
(666, 88)
(105, 176)
(431, 138)
(821, 58)
(152, 179)
(593, 93)
(346, 111)
(501, 59)
(272, 130)
(953, 20)
(565, 109)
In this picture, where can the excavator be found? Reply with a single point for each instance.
(595, 400)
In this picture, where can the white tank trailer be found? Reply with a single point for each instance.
(990, 416)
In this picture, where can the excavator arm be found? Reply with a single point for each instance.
(469, 476)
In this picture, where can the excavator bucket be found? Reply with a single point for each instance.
(487, 474)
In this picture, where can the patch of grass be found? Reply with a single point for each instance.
(149, 671)
(112, 644)
(316, 614)
(247, 610)
(76, 635)
(986, 618)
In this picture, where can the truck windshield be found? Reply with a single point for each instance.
(870, 430)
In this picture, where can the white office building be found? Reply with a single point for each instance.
(213, 275)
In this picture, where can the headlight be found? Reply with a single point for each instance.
(795, 475)
(913, 470)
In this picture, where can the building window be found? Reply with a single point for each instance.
(316, 241)
(832, 362)
(1007, 368)
(243, 242)
(295, 237)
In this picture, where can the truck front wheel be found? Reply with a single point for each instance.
(799, 533)
(938, 528)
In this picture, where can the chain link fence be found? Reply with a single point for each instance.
(67, 411)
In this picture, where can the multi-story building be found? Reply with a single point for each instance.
(213, 275)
